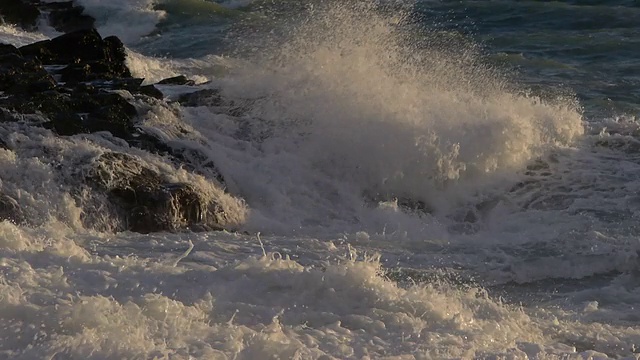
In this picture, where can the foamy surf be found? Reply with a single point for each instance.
(345, 99)
(396, 196)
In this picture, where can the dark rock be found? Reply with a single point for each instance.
(19, 12)
(9, 49)
(44, 83)
(41, 51)
(10, 210)
(7, 116)
(13, 60)
(115, 115)
(130, 84)
(32, 83)
(85, 48)
(206, 97)
(405, 203)
(102, 111)
(198, 162)
(116, 50)
(148, 202)
(75, 73)
(99, 70)
(48, 103)
(85, 88)
(149, 143)
(81, 45)
(65, 17)
(68, 124)
(177, 80)
(414, 205)
(4, 145)
(625, 144)
(151, 91)
(19, 76)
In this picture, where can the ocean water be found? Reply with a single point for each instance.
(511, 125)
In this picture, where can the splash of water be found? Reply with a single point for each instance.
(366, 102)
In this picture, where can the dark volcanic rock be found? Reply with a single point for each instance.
(206, 97)
(10, 209)
(75, 73)
(405, 203)
(130, 84)
(65, 17)
(177, 80)
(85, 51)
(19, 76)
(19, 12)
(7, 116)
(151, 91)
(85, 102)
(113, 113)
(100, 111)
(68, 124)
(82, 45)
(148, 201)
(9, 49)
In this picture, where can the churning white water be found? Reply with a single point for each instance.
(328, 127)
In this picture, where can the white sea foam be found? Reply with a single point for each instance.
(16, 36)
(149, 68)
(64, 301)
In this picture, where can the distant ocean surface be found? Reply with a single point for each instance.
(422, 180)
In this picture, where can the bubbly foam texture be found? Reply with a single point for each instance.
(112, 307)
(63, 301)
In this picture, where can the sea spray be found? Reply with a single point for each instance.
(358, 100)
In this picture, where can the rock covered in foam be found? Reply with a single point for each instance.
(9, 208)
(79, 83)
(150, 202)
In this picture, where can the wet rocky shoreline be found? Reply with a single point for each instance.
(79, 83)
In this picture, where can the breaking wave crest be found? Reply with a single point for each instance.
(357, 97)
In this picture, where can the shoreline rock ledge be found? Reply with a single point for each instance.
(74, 84)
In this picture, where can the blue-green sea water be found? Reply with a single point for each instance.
(587, 47)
